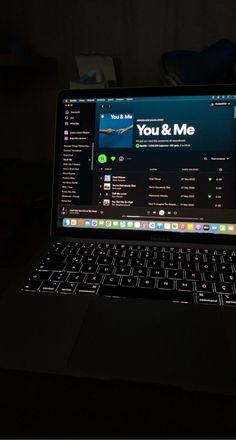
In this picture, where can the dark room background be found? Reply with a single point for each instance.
(134, 32)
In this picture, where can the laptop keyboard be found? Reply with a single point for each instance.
(184, 275)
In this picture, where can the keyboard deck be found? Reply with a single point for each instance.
(182, 275)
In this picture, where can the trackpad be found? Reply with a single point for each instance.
(164, 343)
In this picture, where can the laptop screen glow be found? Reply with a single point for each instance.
(149, 163)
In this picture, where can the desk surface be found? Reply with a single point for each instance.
(34, 405)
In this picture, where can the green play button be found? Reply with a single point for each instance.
(102, 158)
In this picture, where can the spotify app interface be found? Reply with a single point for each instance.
(145, 163)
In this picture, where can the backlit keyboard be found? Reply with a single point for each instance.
(184, 275)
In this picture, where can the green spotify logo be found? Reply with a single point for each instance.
(102, 158)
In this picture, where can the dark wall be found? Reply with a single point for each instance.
(134, 32)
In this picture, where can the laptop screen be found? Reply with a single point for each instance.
(143, 163)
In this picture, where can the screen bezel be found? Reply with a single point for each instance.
(109, 234)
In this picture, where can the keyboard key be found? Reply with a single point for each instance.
(137, 262)
(76, 277)
(138, 247)
(66, 288)
(89, 245)
(229, 277)
(146, 254)
(229, 300)
(72, 267)
(70, 250)
(121, 261)
(180, 297)
(73, 244)
(196, 258)
(56, 249)
(157, 273)
(230, 259)
(131, 254)
(48, 266)
(193, 275)
(93, 279)
(185, 286)
(101, 252)
(88, 268)
(105, 269)
(106, 245)
(175, 274)
(189, 250)
(204, 286)
(224, 267)
(121, 246)
(140, 271)
(123, 270)
(40, 275)
(179, 257)
(85, 251)
(209, 267)
(31, 286)
(224, 288)
(58, 244)
(170, 264)
(212, 276)
(224, 252)
(59, 276)
(48, 286)
(105, 260)
(147, 282)
(148, 293)
(116, 253)
(154, 263)
(188, 265)
(88, 259)
(86, 289)
(165, 284)
(111, 280)
(73, 258)
(157, 248)
(173, 250)
(206, 251)
(208, 298)
(53, 258)
(213, 258)
(129, 281)
(163, 255)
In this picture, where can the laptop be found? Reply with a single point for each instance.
(139, 280)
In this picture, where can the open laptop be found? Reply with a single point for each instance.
(139, 280)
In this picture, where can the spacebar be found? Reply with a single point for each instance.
(146, 293)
